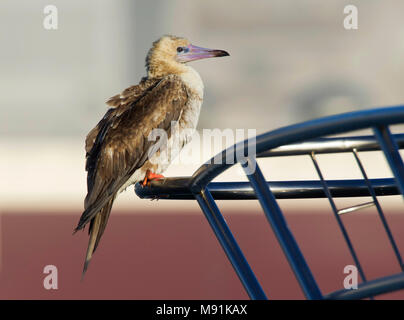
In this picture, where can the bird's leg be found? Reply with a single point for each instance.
(150, 176)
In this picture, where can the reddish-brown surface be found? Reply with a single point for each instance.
(176, 256)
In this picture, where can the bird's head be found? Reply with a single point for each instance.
(169, 54)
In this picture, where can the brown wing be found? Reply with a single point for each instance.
(120, 103)
(131, 94)
(121, 145)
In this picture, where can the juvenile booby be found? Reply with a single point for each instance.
(119, 151)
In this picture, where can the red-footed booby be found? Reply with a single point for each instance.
(119, 151)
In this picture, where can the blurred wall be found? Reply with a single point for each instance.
(290, 61)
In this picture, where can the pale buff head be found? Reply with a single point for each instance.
(169, 54)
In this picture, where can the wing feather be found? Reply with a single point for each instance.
(120, 103)
(121, 144)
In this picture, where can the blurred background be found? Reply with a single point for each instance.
(289, 62)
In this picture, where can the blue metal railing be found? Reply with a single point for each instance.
(305, 138)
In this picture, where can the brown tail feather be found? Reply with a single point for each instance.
(96, 229)
(104, 220)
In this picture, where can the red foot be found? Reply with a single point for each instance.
(150, 176)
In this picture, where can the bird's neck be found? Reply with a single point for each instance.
(193, 81)
(188, 75)
(159, 68)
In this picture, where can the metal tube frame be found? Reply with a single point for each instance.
(304, 138)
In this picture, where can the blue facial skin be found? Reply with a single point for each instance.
(182, 50)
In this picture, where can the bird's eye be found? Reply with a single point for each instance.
(180, 49)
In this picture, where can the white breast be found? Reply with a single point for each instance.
(185, 127)
(193, 80)
(190, 116)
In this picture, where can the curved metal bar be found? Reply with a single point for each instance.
(329, 145)
(178, 188)
(304, 138)
(295, 133)
(370, 288)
